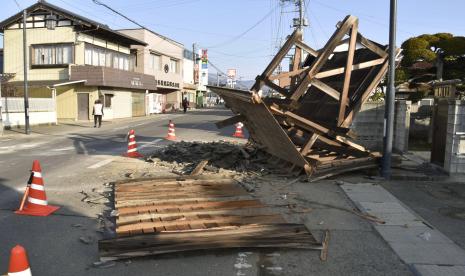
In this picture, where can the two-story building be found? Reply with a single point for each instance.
(76, 61)
(161, 57)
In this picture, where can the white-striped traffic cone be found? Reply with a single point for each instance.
(36, 204)
(238, 133)
(19, 265)
(132, 146)
(171, 132)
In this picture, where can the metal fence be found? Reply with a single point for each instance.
(16, 104)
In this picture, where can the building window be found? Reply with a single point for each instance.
(154, 62)
(98, 56)
(107, 100)
(174, 66)
(51, 55)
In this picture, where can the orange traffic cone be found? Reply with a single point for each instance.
(19, 265)
(238, 132)
(132, 146)
(171, 132)
(36, 204)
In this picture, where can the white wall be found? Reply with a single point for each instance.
(14, 119)
(188, 71)
(121, 104)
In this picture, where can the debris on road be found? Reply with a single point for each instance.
(176, 214)
(307, 129)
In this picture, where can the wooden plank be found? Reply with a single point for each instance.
(341, 70)
(326, 88)
(170, 183)
(348, 73)
(324, 251)
(148, 202)
(193, 205)
(296, 35)
(236, 220)
(230, 121)
(309, 144)
(277, 235)
(199, 168)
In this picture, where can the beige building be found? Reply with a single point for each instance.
(76, 61)
(162, 57)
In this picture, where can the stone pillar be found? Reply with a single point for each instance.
(401, 125)
(454, 161)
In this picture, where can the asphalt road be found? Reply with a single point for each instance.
(81, 158)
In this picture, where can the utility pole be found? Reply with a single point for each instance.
(26, 96)
(301, 16)
(193, 59)
(390, 95)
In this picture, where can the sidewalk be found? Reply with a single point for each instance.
(425, 249)
(66, 126)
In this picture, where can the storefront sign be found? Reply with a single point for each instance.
(136, 82)
(168, 83)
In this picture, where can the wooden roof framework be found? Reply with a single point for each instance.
(318, 107)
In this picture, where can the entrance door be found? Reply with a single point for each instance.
(438, 149)
(83, 106)
(138, 104)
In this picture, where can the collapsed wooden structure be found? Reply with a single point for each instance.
(308, 126)
(177, 214)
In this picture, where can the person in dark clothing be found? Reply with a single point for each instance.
(185, 104)
(98, 113)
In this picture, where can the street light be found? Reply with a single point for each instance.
(390, 95)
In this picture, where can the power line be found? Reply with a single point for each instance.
(118, 13)
(245, 32)
(17, 4)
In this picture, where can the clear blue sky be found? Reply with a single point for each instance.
(218, 24)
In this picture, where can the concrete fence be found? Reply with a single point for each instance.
(41, 111)
(454, 161)
(369, 125)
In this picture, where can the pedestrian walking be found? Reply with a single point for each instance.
(185, 104)
(98, 113)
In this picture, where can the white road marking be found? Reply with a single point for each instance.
(101, 163)
(119, 128)
(64, 149)
(150, 143)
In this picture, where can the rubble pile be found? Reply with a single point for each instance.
(220, 155)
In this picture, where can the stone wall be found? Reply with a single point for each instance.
(454, 161)
(369, 125)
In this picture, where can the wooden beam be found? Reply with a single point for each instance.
(371, 46)
(341, 70)
(366, 93)
(296, 35)
(322, 58)
(306, 48)
(326, 88)
(348, 73)
(274, 86)
(230, 121)
(314, 127)
(288, 74)
(309, 144)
